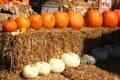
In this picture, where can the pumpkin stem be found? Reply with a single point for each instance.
(47, 10)
(60, 8)
(10, 17)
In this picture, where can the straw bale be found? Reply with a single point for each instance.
(43, 44)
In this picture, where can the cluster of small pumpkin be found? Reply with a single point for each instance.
(55, 65)
(60, 19)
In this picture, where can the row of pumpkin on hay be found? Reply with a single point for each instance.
(93, 18)
(54, 65)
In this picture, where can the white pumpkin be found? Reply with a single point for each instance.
(115, 52)
(43, 67)
(30, 71)
(109, 49)
(57, 65)
(99, 53)
(71, 59)
(89, 59)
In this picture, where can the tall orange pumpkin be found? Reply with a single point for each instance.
(93, 18)
(35, 21)
(110, 19)
(61, 19)
(117, 11)
(48, 20)
(76, 19)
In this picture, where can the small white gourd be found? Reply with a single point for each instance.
(43, 67)
(57, 65)
(71, 59)
(15, 33)
(30, 71)
(89, 59)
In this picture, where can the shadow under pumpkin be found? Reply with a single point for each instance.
(111, 64)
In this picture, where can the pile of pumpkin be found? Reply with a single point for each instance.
(55, 65)
(59, 19)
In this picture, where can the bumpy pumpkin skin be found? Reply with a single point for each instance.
(93, 18)
(61, 19)
(22, 22)
(117, 11)
(110, 19)
(76, 20)
(48, 20)
(9, 25)
(35, 21)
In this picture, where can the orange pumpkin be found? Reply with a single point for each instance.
(48, 20)
(16, 2)
(9, 25)
(110, 19)
(76, 20)
(35, 21)
(61, 19)
(117, 11)
(26, 2)
(93, 18)
(22, 22)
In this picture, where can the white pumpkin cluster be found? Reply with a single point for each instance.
(32, 71)
(56, 65)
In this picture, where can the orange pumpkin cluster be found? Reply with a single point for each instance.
(60, 19)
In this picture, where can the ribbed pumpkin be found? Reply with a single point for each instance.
(110, 19)
(48, 20)
(93, 18)
(22, 22)
(35, 21)
(117, 11)
(26, 2)
(16, 2)
(9, 25)
(76, 19)
(61, 19)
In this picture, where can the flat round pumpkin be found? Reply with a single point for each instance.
(48, 20)
(22, 22)
(110, 19)
(117, 11)
(76, 20)
(9, 25)
(61, 19)
(93, 18)
(35, 21)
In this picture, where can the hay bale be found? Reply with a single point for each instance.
(15, 52)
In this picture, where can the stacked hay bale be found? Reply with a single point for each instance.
(17, 51)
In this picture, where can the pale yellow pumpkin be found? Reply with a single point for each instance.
(43, 67)
(30, 71)
(71, 59)
(57, 65)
